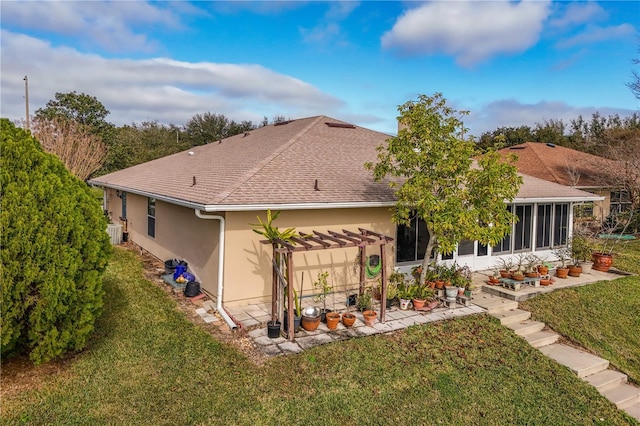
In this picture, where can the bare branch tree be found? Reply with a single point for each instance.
(81, 151)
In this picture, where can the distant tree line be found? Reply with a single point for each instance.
(596, 136)
(75, 128)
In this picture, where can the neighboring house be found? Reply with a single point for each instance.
(573, 168)
(311, 169)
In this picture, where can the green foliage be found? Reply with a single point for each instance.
(54, 251)
(271, 232)
(434, 174)
(210, 127)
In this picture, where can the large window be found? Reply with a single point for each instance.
(412, 241)
(151, 217)
(522, 228)
(560, 224)
(543, 225)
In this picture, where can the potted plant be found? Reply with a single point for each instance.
(610, 236)
(532, 262)
(564, 255)
(348, 319)
(297, 313)
(581, 250)
(321, 284)
(422, 294)
(495, 277)
(504, 265)
(392, 293)
(310, 318)
(406, 292)
(364, 301)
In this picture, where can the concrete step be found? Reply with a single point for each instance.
(623, 395)
(493, 304)
(633, 410)
(512, 316)
(606, 379)
(581, 363)
(523, 328)
(541, 338)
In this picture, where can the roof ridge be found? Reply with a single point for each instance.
(541, 161)
(262, 164)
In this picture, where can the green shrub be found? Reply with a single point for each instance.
(54, 251)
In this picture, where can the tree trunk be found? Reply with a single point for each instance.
(427, 255)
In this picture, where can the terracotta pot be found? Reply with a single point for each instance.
(531, 274)
(575, 271)
(518, 277)
(562, 272)
(376, 294)
(602, 261)
(310, 323)
(369, 318)
(505, 274)
(494, 280)
(431, 284)
(545, 282)
(348, 319)
(439, 284)
(543, 270)
(418, 303)
(333, 318)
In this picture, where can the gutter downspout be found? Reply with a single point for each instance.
(219, 307)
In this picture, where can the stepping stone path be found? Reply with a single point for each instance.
(590, 368)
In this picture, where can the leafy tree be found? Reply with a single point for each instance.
(81, 152)
(54, 251)
(78, 107)
(505, 137)
(435, 177)
(205, 128)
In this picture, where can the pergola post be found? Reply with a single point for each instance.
(274, 287)
(290, 301)
(362, 266)
(383, 278)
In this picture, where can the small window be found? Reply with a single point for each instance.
(465, 247)
(151, 217)
(123, 199)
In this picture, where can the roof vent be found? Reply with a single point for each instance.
(282, 123)
(552, 145)
(517, 147)
(341, 125)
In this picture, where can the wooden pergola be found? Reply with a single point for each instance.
(324, 241)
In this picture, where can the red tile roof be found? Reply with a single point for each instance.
(560, 164)
(279, 165)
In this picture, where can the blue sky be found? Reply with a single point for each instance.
(509, 63)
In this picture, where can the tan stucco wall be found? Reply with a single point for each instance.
(248, 262)
(179, 234)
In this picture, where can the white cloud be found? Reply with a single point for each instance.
(328, 29)
(594, 34)
(577, 14)
(152, 89)
(470, 31)
(106, 24)
(512, 113)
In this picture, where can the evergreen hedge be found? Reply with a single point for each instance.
(54, 251)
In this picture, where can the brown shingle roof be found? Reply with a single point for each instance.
(275, 164)
(279, 165)
(559, 164)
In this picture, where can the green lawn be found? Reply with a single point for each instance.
(603, 317)
(147, 364)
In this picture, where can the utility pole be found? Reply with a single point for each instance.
(26, 98)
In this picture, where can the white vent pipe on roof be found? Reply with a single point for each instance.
(219, 307)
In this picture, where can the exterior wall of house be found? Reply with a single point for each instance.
(247, 274)
(178, 234)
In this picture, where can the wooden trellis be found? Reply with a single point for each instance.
(326, 241)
